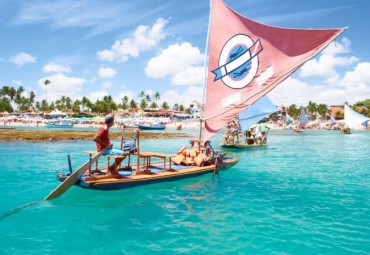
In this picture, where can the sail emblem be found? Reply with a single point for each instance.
(238, 61)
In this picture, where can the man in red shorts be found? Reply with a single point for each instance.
(102, 140)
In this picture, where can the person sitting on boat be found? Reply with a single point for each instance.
(102, 140)
(249, 139)
(229, 138)
(235, 127)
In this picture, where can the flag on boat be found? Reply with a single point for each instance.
(247, 59)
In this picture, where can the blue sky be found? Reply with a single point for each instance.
(113, 47)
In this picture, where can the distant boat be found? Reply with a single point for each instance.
(353, 119)
(248, 118)
(303, 120)
(153, 126)
(7, 127)
(59, 124)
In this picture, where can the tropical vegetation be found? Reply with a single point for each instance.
(10, 96)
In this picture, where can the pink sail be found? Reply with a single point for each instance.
(248, 59)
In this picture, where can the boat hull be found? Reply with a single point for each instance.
(102, 181)
(143, 127)
(242, 146)
(58, 126)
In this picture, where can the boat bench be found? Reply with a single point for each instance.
(147, 156)
(109, 157)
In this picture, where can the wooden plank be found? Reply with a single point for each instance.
(73, 178)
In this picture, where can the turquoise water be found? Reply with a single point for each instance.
(303, 194)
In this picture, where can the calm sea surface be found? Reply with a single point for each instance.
(304, 194)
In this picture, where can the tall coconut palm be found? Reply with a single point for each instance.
(311, 108)
(156, 96)
(323, 109)
(133, 106)
(46, 82)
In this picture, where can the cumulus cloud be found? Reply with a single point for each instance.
(107, 72)
(107, 84)
(97, 95)
(128, 93)
(294, 91)
(352, 84)
(143, 39)
(183, 63)
(189, 95)
(51, 67)
(360, 75)
(22, 58)
(62, 85)
(325, 65)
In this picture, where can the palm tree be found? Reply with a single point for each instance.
(32, 97)
(142, 94)
(156, 96)
(12, 93)
(293, 111)
(153, 105)
(311, 108)
(85, 103)
(133, 106)
(143, 104)
(323, 109)
(46, 82)
(165, 106)
(76, 106)
(18, 96)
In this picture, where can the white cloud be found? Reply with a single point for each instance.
(128, 93)
(97, 95)
(360, 75)
(107, 72)
(107, 84)
(22, 58)
(189, 95)
(293, 91)
(51, 67)
(193, 76)
(325, 66)
(144, 38)
(17, 83)
(335, 47)
(184, 63)
(62, 85)
(352, 85)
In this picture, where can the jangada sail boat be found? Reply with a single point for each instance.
(353, 119)
(303, 120)
(246, 60)
(247, 119)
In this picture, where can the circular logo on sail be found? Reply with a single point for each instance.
(238, 61)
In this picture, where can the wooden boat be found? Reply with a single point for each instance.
(152, 167)
(245, 62)
(247, 122)
(7, 127)
(353, 119)
(243, 145)
(152, 127)
(59, 124)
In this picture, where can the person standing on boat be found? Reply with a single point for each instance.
(102, 140)
(263, 129)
